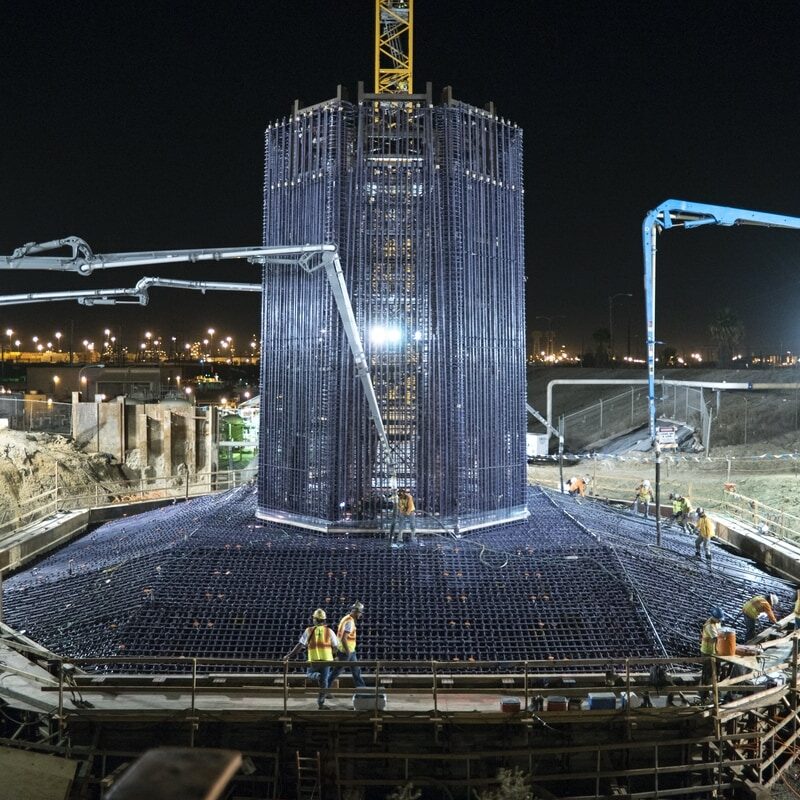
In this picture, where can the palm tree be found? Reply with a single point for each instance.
(726, 331)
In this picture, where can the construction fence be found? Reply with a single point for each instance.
(629, 410)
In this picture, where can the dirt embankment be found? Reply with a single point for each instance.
(32, 463)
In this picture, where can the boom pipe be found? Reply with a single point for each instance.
(686, 214)
(137, 294)
(84, 262)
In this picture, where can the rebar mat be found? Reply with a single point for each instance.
(206, 578)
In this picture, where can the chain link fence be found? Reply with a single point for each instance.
(36, 415)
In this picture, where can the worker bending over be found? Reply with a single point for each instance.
(576, 486)
(754, 608)
(644, 496)
(319, 641)
(708, 647)
(347, 635)
(705, 532)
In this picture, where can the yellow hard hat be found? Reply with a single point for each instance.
(320, 615)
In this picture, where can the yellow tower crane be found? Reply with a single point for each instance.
(394, 46)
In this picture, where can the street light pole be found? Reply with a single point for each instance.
(611, 300)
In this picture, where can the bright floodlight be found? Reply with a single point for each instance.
(380, 335)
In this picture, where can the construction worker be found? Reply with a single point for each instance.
(644, 496)
(797, 611)
(708, 647)
(680, 509)
(319, 641)
(347, 635)
(754, 608)
(705, 532)
(576, 486)
(404, 515)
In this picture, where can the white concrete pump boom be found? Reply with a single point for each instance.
(310, 257)
(136, 295)
(684, 214)
(84, 261)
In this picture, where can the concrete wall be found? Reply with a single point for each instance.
(156, 439)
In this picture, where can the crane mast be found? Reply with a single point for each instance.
(394, 46)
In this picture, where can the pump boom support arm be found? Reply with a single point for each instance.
(136, 295)
(685, 214)
(309, 257)
(84, 261)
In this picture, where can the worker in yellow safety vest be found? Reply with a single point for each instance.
(705, 532)
(680, 509)
(754, 608)
(708, 647)
(319, 642)
(347, 635)
(644, 496)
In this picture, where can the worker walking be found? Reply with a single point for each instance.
(754, 608)
(705, 532)
(708, 647)
(347, 636)
(403, 515)
(644, 496)
(680, 509)
(319, 641)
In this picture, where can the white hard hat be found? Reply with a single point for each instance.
(646, 483)
(773, 600)
(320, 614)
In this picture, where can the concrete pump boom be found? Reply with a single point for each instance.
(123, 296)
(683, 214)
(309, 257)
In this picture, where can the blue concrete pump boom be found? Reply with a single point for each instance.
(684, 214)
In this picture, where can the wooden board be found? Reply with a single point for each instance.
(34, 776)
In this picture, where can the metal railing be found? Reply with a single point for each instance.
(24, 414)
(628, 410)
(110, 493)
(772, 521)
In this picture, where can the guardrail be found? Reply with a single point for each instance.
(110, 493)
(530, 681)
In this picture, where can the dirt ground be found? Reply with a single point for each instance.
(755, 442)
(31, 463)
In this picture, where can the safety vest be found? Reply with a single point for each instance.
(347, 638)
(320, 645)
(708, 638)
(755, 606)
(677, 505)
(797, 607)
(705, 527)
(405, 504)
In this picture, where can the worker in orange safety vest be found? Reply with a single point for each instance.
(319, 641)
(347, 635)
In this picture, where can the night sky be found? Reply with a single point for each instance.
(140, 126)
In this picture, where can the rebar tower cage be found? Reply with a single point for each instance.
(425, 204)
